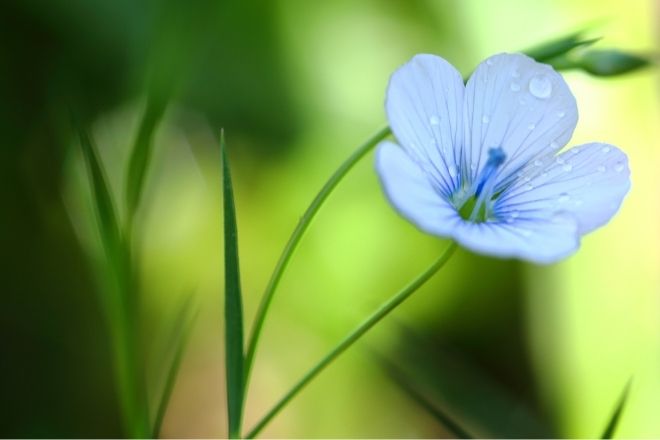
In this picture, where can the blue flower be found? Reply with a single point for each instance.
(480, 163)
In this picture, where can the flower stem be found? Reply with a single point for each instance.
(356, 334)
(293, 243)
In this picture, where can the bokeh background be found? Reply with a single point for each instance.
(507, 348)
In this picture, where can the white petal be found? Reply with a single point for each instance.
(411, 192)
(525, 107)
(588, 181)
(424, 108)
(539, 240)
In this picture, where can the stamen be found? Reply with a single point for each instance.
(496, 157)
(486, 185)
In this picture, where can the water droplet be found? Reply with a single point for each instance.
(515, 87)
(529, 187)
(531, 126)
(527, 179)
(544, 174)
(485, 119)
(515, 73)
(564, 197)
(606, 149)
(489, 61)
(619, 167)
(522, 101)
(560, 160)
(561, 114)
(434, 120)
(540, 86)
(579, 202)
(526, 232)
(514, 214)
(473, 166)
(453, 172)
(574, 150)
(538, 163)
(567, 167)
(554, 145)
(601, 169)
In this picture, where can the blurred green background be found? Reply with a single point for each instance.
(507, 348)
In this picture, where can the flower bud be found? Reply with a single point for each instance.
(610, 62)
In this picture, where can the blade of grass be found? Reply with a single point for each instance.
(355, 335)
(142, 151)
(409, 388)
(182, 329)
(233, 309)
(122, 313)
(613, 423)
(104, 206)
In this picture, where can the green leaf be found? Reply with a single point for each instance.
(233, 309)
(400, 378)
(103, 203)
(610, 62)
(610, 429)
(121, 303)
(142, 150)
(181, 330)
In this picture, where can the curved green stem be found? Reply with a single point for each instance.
(366, 325)
(291, 245)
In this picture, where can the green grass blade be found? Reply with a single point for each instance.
(233, 308)
(122, 304)
(179, 339)
(103, 204)
(354, 336)
(399, 377)
(141, 152)
(610, 429)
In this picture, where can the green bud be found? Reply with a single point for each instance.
(610, 62)
(559, 47)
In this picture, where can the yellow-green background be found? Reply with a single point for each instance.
(297, 85)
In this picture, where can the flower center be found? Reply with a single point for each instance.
(478, 207)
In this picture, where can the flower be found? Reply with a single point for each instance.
(480, 162)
